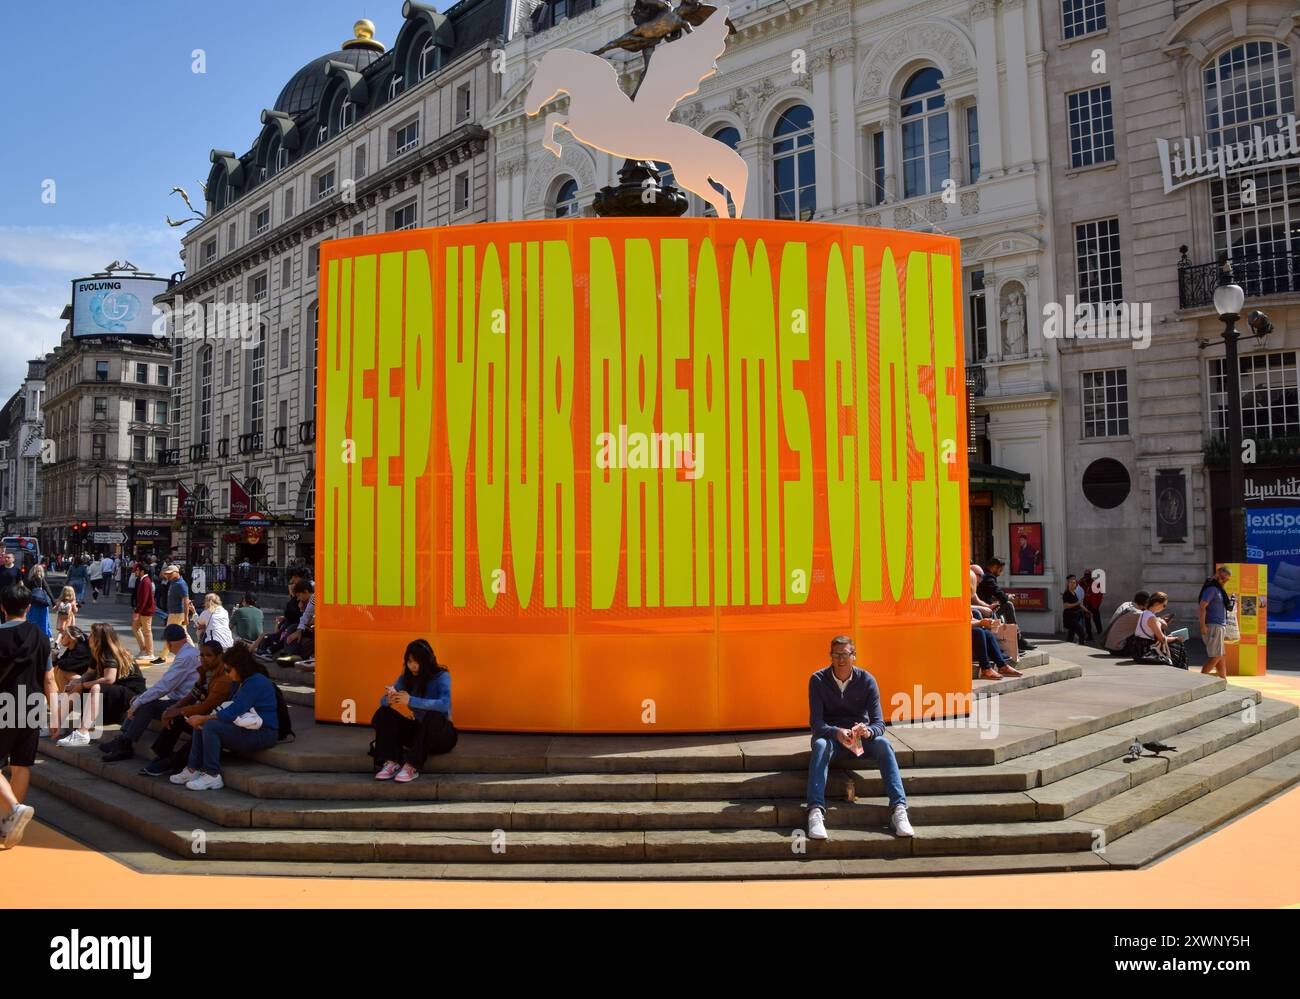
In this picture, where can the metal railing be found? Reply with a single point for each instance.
(1259, 277)
(250, 443)
(977, 379)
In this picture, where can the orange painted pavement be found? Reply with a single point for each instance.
(1253, 863)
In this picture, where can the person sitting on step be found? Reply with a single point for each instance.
(107, 688)
(166, 693)
(212, 688)
(414, 716)
(249, 724)
(987, 650)
(844, 714)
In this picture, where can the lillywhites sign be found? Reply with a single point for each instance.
(1288, 488)
(1187, 161)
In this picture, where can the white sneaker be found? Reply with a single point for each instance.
(817, 824)
(902, 827)
(75, 739)
(13, 824)
(206, 782)
(184, 777)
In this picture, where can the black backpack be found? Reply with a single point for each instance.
(282, 713)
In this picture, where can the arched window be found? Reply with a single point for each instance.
(428, 61)
(347, 114)
(566, 199)
(729, 136)
(925, 134)
(794, 166)
(1256, 214)
(281, 157)
(307, 498)
(257, 499)
(203, 429)
(202, 501)
(394, 86)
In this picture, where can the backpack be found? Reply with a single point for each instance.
(282, 714)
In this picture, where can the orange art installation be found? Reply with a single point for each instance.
(632, 475)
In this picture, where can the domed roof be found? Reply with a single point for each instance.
(304, 89)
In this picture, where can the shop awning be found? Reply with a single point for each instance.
(1006, 484)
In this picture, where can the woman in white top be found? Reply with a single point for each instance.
(1151, 627)
(214, 623)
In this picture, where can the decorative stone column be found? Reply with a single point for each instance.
(986, 46)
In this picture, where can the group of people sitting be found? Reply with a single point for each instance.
(995, 636)
(1141, 628)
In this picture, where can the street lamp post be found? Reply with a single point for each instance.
(132, 484)
(1229, 300)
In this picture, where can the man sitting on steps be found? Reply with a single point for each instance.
(844, 713)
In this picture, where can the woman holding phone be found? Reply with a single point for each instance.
(414, 716)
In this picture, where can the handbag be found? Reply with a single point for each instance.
(1008, 636)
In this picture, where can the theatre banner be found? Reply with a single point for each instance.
(634, 475)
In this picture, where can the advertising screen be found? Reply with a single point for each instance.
(115, 306)
(635, 475)
(1273, 539)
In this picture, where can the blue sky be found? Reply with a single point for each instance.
(109, 108)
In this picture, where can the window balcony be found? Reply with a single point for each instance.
(250, 443)
(1260, 276)
(280, 437)
(306, 431)
(977, 379)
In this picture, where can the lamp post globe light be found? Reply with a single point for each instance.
(1229, 302)
(132, 484)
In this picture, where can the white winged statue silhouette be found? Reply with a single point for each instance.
(602, 116)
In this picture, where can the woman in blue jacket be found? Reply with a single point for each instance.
(414, 717)
(229, 727)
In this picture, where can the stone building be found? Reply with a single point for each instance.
(361, 140)
(927, 115)
(107, 412)
(1143, 100)
(21, 432)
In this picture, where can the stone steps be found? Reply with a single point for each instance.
(1170, 795)
(1051, 789)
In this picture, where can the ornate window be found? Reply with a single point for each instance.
(794, 167)
(1256, 214)
(926, 143)
(257, 384)
(566, 199)
(347, 114)
(428, 61)
(729, 136)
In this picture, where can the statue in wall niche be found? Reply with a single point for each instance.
(1015, 336)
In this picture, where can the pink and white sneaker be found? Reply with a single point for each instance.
(407, 774)
(387, 771)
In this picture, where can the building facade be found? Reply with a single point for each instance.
(20, 479)
(1145, 99)
(362, 140)
(924, 115)
(107, 413)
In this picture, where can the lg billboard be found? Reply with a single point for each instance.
(115, 306)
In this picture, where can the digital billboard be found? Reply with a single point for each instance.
(634, 475)
(115, 306)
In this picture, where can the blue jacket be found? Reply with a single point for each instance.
(255, 692)
(828, 709)
(439, 685)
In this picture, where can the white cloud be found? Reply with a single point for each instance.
(76, 252)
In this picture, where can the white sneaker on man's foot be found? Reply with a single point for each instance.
(817, 824)
(13, 824)
(206, 782)
(185, 776)
(75, 739)
(902, 827)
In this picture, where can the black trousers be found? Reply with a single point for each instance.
(171, 734)
(409, 740)
(1075, 624)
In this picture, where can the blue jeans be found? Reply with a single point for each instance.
(877, 751)
(985, 648)
(208, 741)
(138, 723)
